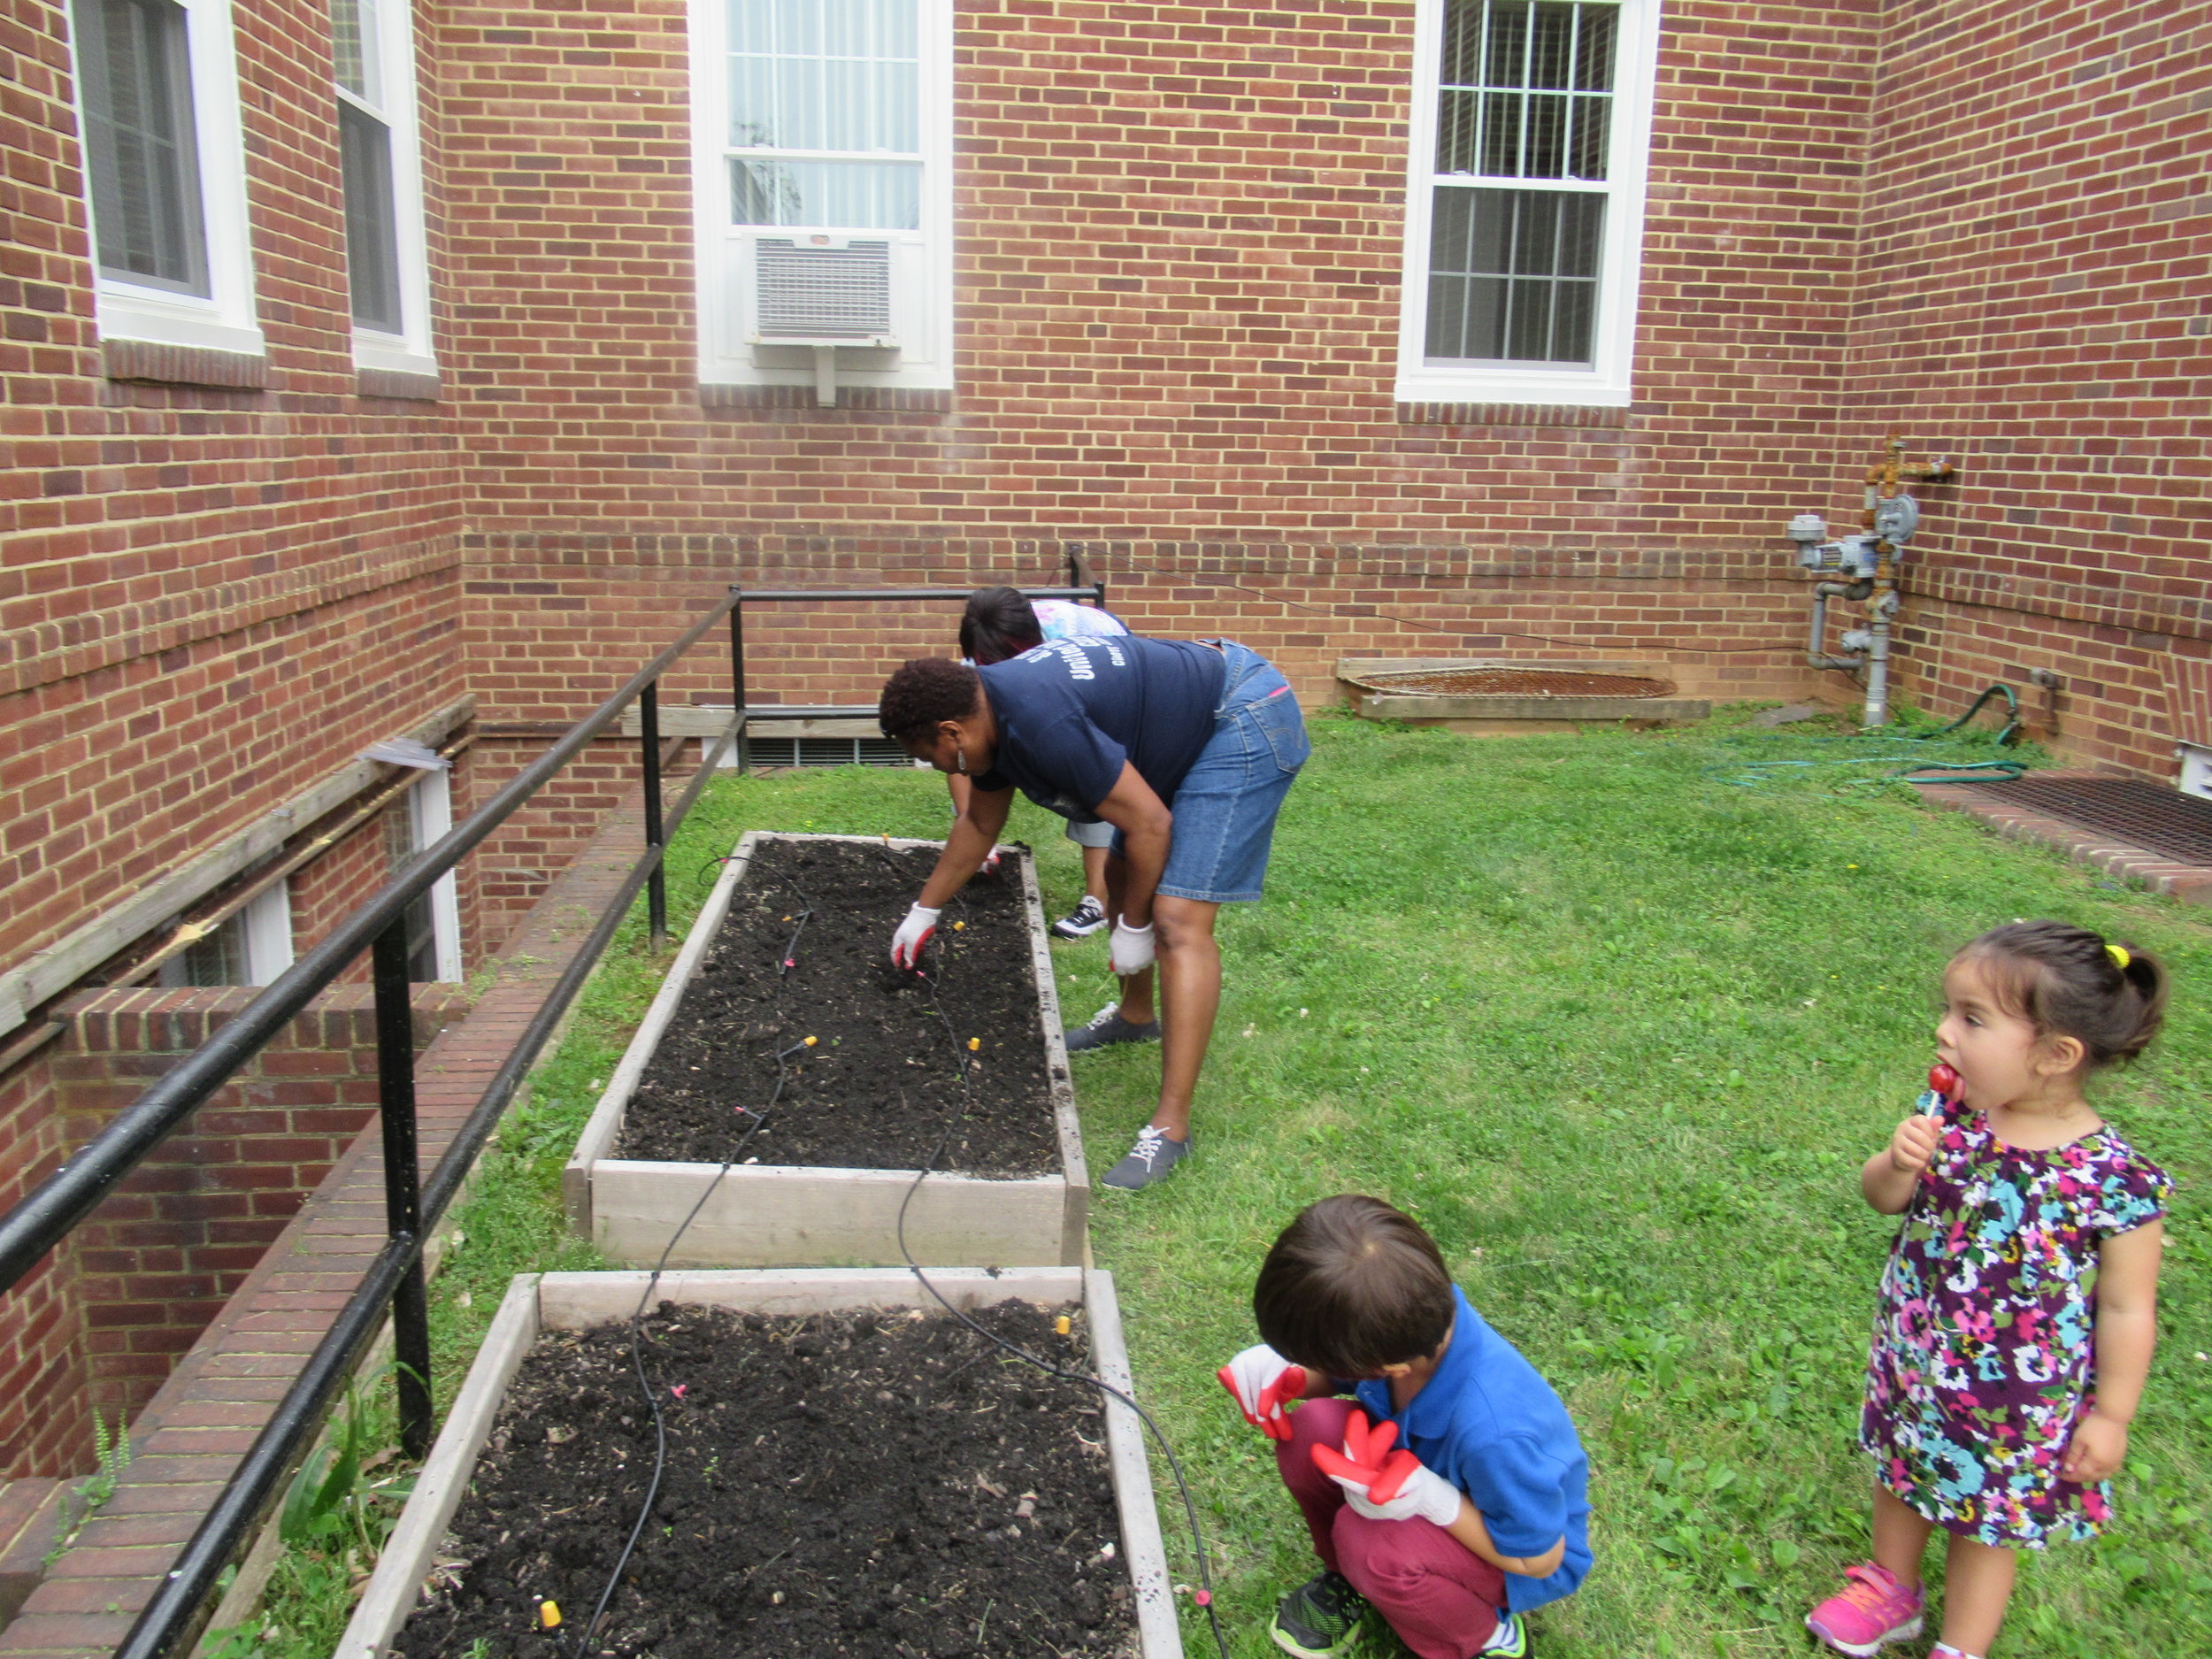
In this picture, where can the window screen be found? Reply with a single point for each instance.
(364, 154)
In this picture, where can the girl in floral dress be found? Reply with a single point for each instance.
(2016, 1317)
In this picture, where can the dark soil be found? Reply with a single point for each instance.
(883, 1078)
(881, 1485)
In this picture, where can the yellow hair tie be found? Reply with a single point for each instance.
(2120, 957)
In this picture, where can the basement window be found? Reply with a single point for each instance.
(250, 948)
(165, 163)
(822, 167)
(434, 921)
(1525, 200)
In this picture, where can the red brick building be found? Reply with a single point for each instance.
(370, 376)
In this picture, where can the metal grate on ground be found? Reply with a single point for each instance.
(1532, 681)
(2152, 816)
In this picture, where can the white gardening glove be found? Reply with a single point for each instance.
(1368, 1466)
(1130, 951)
(914, 932)
(989, 866)
(1262, 1381)
(1425, 1494)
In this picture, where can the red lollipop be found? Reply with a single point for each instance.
(1943, 1081)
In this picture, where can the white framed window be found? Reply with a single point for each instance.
(165, 168)
(250, 948)
(822, 176)
(387, 266)
(1525, 200)
(434, 920)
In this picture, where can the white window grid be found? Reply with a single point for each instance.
(1609, 179)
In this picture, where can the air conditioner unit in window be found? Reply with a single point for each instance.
(822, 292)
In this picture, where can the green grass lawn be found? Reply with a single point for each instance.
(1619, 1030)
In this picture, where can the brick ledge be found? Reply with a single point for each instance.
(183, 365)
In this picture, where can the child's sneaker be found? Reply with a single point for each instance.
(1081, 922)
(1872, 1612)
(1509, 1641)
(1319, 1617)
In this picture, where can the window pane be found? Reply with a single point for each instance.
(354, 40)
(826, 74)
(365, 147)
(133, 60)
(827, 195)
(1508, 69)
(1513, 275)
(218, 959)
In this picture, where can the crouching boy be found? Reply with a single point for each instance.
(1471, 1510)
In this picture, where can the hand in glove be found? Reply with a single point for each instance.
(1383, 1484)
(1263, 1382)
(1130, 951)
(989, 866)
(914, 933)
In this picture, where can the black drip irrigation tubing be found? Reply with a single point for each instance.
(582, 1643)
(1205, 1597)
(575, 1646)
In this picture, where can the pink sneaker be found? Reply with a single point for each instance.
(1874, 1611)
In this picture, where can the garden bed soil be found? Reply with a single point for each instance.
(852, 1475)
(883, 1078)
(878, 1089)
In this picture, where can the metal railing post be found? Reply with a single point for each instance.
(403, 1178)
(737, 669)
(648, 709)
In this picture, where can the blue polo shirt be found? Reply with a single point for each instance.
(1492, 1426)
(1072, 712)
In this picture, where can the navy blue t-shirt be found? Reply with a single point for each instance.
(1070, 712)
(1489, 1424)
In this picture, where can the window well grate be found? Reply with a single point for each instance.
(2132, 811)
(825, 751)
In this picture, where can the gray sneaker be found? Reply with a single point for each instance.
(1148, 1161)
(1107, 1027)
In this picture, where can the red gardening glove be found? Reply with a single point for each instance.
(1367, 1460)
(1394, 1486)
(1263, 1383)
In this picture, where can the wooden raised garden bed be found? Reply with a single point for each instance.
(821, 1185)
(850, 1470)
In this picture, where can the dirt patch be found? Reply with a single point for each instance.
(876, 1089)
(867, 1484)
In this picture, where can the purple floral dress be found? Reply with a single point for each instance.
(1983, 1352)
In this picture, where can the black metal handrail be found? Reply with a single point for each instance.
(413, 1206)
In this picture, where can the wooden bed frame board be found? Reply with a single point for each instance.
(801, 1215)
(537, 1303)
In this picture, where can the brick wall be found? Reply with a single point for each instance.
(2034, 297)
(45, 1420)
(155, 1261)
(208, 598)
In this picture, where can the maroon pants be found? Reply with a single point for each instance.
(1441, 1598)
